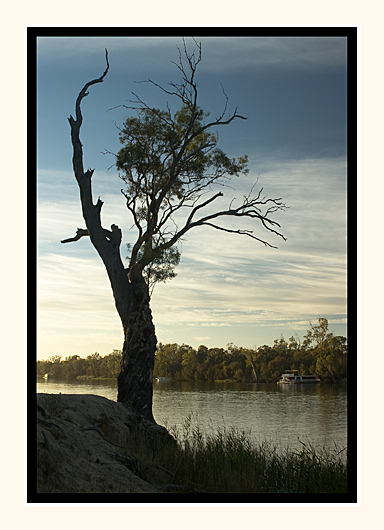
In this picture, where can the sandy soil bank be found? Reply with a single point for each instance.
(81, 442)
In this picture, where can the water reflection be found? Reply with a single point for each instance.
(280, 414)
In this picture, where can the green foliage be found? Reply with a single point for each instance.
(169, 360)
(94, 362)
(158, 146)
(162, 266)
(167, 162)
(321, 353)
(170, 164)
(330, 351)
(77, 367)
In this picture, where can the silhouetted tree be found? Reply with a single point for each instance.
(170, 164)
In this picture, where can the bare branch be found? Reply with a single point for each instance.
(84, 92)
(80, 232)
(77, 159)
(202, 206)
(242, 232)
(249, 209)
(131, 205)
(106, 242)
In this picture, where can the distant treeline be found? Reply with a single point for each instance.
(76, 367)
(321, 353)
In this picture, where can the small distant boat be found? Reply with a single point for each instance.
(294, 378)
(47, 376)
(163, 379)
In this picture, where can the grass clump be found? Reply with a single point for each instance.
(229, 462)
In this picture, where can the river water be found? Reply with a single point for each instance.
(283, 415)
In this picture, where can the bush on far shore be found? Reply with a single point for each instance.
(321, 353)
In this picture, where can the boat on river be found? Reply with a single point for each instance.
(294, 378)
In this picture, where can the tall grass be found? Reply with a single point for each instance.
(229, 462)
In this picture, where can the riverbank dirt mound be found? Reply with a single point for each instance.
(82, 445)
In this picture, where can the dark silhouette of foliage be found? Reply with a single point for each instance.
(321, 353)
(76, 367)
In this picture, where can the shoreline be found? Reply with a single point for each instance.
(90, 444)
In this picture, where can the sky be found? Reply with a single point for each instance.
(229, 288)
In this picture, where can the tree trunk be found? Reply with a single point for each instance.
(333, 378)
(130, 291)
(254, 370)
(135, 384)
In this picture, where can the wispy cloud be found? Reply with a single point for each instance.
(271, 52)
(220, 53)
(76, 313)
(224, 281)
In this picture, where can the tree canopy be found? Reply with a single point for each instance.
(171, 167)
(170, 164)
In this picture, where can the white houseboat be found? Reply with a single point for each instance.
(294, 378)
